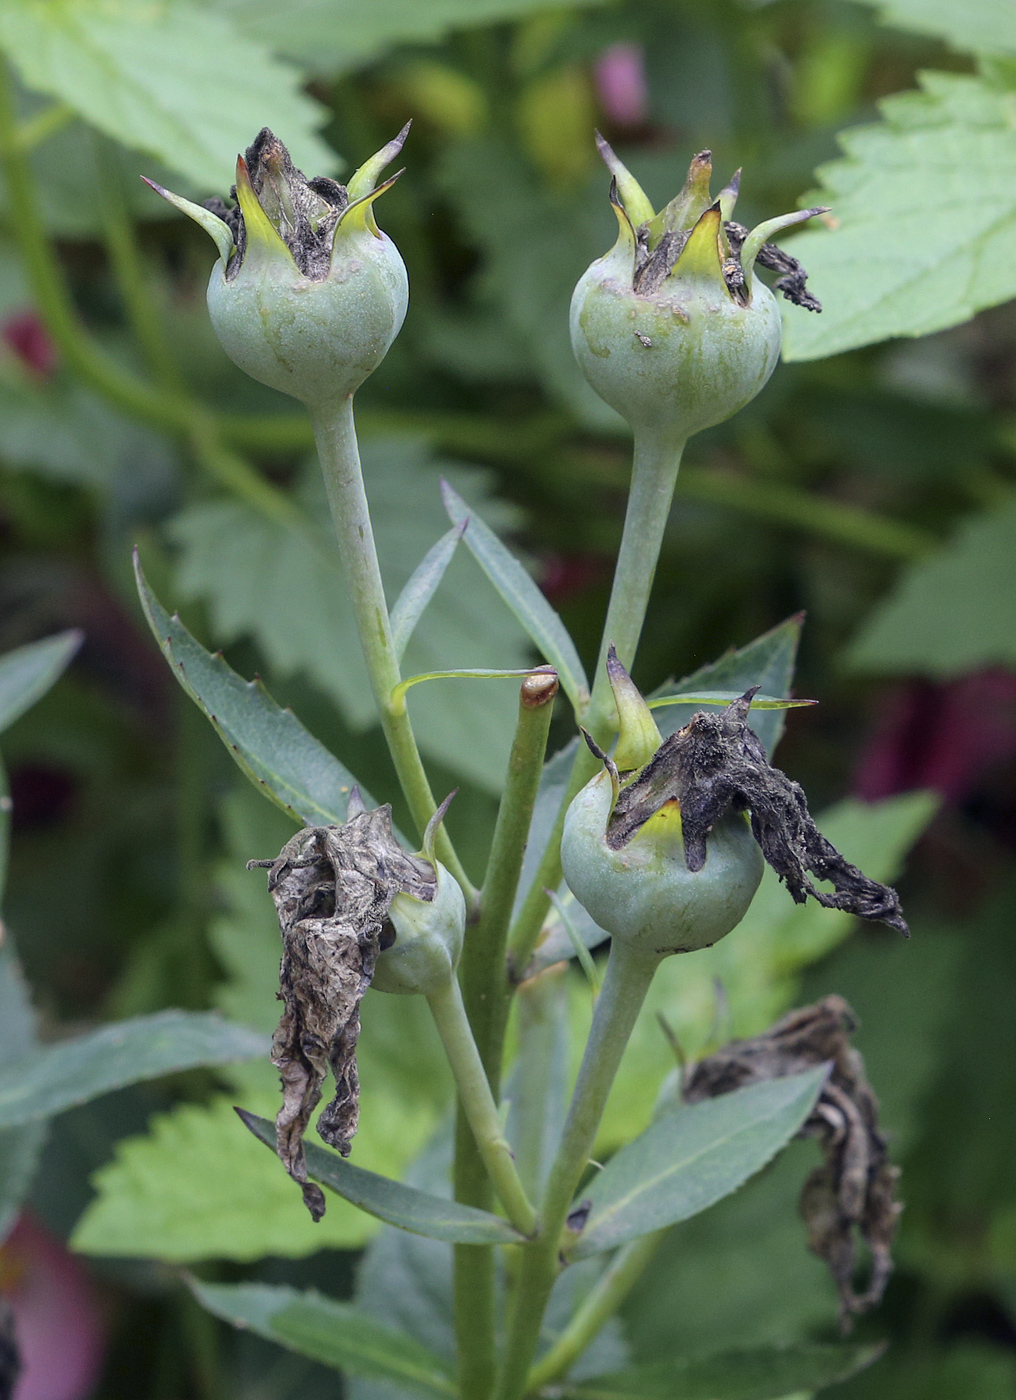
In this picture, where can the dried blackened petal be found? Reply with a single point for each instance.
(793, 279)
(332, 888)
(715, 765)
(853, 1194)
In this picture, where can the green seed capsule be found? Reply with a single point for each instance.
(644, 894)
(670, 327)
(308, 293)
(428, 940)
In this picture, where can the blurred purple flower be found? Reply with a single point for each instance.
(622, 86)
(60, 1329)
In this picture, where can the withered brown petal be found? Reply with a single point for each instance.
(853, 1194)
(792, 282)
(715, 765)
(332, 887)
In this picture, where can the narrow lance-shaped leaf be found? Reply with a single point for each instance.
(762, 1373)
(421, 587)
(336, 1334)
(28, 672)
(70, 1072)
(546, 630)
(693, 1157)
(416, 1211)
(19, 1146)
(767, 662)
(268, 743)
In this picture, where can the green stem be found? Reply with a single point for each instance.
(486, 996)
(624, 990)
(599, 1306)
(824, 519)
(335, 434)
(653, 477)
(139, 302)
(478, 1103)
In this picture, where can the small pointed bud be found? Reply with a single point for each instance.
(686, 208)
(638, 737)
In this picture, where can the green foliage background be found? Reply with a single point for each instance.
(872, 484)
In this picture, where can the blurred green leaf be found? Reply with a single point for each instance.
(952, 612)
(145, 1047)
(416, 1211)
(268, 744)
(19, 1146)
(766, 1373)
(27, 673)
(334, 1333)
(546, 630)
(926, 207)
(261, 579)
(151, 76)
(966, 1371)
(768, 661)
(982, 25)
(691, 1158)
(333, 35)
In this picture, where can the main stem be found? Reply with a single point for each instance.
(655, 465)
(335, 434)
(624, 990)
(478, 1103)
(486, 994)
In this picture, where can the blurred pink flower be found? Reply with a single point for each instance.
(622, 86)
(60, 1328)
(28, 338)
(945, 737)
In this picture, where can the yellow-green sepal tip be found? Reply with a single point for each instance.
(215, 227)
(360, 214)
(762, 233)
(634, 200)
(363, 180)
(262, 235)
(702, 256)
(638, 737)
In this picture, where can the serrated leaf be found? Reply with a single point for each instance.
(267, 743)
(693, 1157)
(73, 1071)
(952, 612)
(336, 1334)
(262, 580)
(335, 35)
(982, 25)
(925, 202)
(29, 671)
(151, 76)
(416, 1211)
(542, 624)
(768, 661)
(764, 1373)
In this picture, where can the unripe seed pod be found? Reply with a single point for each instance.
(670, 327)
(308, 293)
(644, 894)
(428, 940)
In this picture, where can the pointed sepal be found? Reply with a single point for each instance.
(686, 208)
(762, 233)
(215, 227)
(359, 215)
(638, 737)
(263, 238)
(634, 201)
(703, 255)
(363, 180)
